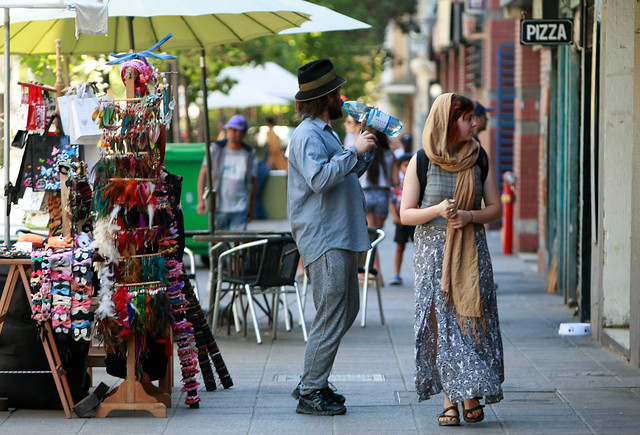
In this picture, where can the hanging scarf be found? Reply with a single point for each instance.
(460, 274)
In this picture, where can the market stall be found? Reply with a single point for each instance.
(111, 266)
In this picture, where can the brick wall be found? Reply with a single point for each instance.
(526, 147)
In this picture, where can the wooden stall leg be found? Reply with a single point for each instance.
(131, 394)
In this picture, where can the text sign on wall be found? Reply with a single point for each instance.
(546, 32)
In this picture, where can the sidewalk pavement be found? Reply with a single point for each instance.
(553, 384)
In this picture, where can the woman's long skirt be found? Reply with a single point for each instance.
(464, 366)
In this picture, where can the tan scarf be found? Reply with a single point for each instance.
(460, 274)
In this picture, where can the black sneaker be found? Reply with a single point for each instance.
(327, 391)
(317, 403)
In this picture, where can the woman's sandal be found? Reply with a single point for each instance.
(451, 420)
(477, 419)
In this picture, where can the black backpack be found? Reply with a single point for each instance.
(423, 166)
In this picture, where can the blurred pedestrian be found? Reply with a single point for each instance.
(406, 146)
(376, 184)
(352, 127)
(404, 233)
(326, 212)
(276, 159)
(480, 113)
(458, 341)
(233, 176)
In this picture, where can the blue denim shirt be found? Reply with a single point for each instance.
(325, 200)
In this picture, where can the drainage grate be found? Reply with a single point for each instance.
(549, 396)
(365, 377)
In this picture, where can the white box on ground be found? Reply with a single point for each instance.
(574, 329)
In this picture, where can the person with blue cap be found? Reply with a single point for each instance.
(234, 169)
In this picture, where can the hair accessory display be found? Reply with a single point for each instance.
(135, 231)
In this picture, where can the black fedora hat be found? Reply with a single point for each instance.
(316, 79)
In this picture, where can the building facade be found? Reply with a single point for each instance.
(565, 123)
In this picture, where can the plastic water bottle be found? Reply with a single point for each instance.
(374, 118)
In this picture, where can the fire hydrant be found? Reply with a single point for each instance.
(508, 198)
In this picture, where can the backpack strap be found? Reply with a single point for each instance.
(422, 168)
(483, 162)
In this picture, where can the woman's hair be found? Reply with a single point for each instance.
(460, 105)
(313, 108)
(382, 144)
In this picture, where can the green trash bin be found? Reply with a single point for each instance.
(185, 159)
(274, 196)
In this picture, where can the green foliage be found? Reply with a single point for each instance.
(358, 55)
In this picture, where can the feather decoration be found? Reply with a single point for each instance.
(123, 244)
(130, 194)
(114, 213)
(142, 222)
(106, 307)
(132, 164)
(140, 240)
(104, 231)
(108, 329)
(135, 270)
(150, 213)
(102, 171)
(165, 319)
(113, 190)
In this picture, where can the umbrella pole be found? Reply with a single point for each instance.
(210, 199)
(131, 40)
(7, 105)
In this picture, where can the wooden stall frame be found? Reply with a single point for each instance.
(21, 269)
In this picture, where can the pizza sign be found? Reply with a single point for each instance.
(546, 32)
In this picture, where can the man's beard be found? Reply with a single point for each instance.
(335, 109)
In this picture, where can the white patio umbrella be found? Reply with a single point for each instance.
(139, 24)
(256, 85)
(243, 96)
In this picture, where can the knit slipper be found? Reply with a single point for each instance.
(451, 420)
(470, 411)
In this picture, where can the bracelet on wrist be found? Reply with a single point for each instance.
(471, 216)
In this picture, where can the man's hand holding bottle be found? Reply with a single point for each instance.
(364, 142)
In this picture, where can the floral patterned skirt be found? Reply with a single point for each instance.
(464, 366)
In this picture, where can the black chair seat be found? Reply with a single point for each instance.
(372, 271)
(262, 267)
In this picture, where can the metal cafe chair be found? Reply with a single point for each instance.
(259, 268)
(369, 272)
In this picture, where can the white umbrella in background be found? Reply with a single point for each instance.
(325, 20)
(242, 96)
(256, 85)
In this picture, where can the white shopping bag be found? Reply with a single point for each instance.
(76, 109)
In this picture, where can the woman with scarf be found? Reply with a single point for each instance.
(458, 343)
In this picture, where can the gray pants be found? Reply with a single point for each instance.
(334, 282)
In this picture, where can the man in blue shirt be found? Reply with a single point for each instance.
(328, 222)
